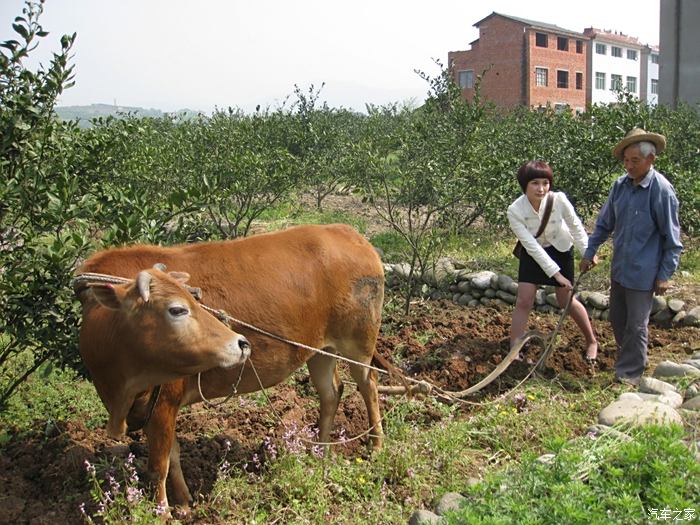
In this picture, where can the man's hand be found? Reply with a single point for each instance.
(587, 264)
(661, 287)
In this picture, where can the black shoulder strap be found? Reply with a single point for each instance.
(547, 212)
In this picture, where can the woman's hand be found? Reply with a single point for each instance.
(563, 281)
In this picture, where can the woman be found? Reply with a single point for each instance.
(549, 258)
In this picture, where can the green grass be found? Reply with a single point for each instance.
(607, 480)
(293, 213)
(50, 395)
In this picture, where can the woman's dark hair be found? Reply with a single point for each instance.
(535, 169)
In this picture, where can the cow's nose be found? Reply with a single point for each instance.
(243, 344)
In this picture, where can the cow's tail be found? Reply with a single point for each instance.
(395, 375)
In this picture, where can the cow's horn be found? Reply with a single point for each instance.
(143, 281)
(160, 266)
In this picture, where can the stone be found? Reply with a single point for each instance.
(692, 318)
(455, 297)
(675, 305)
(450, 501)
(657, 304)
(638, 412)
(505, 282)
(604, 430)
(605, 315)
(692, 391)
(481, 280)
(473, 303)
(540, 297)
(693, 362)
(655, 386)
(464, 286)
(465, 299)
(692, 404)
(490, 293)
(546, 459)
(423, 517)
(552, 300)
(598, 300)
(671, 369)
(662, 316)
(402, 270)
(505, 296)
(678, 318)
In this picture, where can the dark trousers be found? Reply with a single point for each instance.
(629, 316)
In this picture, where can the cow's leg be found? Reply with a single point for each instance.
(366, 380)
(326, 380)
(160, 431)
(178, 488)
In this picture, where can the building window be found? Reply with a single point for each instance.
(541, 74)
(579, 80)
(616, 51)
(540, 39)
(562, 43)
(599, 80)
(615, 82)
(560, 108)
(654, 86)
(465, 79)
(562, 79)
(601, 49)
(632, 84)
(579, 46)
(654, 58)
(631, 54)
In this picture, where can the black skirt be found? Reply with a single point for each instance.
(530, 272)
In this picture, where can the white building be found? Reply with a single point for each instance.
(650, 74)
(614, 61)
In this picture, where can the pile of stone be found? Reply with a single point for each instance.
(449, 279)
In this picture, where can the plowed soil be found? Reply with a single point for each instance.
(43, 480)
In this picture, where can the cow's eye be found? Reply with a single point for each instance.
(178, 311)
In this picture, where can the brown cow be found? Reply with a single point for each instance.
(147, 332)
(321, 286)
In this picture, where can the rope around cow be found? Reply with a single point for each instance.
(421, 386)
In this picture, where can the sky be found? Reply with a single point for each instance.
(203, 55)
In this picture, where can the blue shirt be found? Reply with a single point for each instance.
(646, 239)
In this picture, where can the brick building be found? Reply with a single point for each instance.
(525, 63)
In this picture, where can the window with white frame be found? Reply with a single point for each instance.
(599, 80)
(632, 84)
(465, 79)
(632, 54)
(654, 58)
(616, 51)
(601, 49)
(654, 86)
(615, 82)
(541, 74)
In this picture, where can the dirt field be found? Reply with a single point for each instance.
(43, 478)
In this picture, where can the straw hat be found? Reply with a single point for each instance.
(639, 135)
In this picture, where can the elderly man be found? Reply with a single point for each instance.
(642, 212)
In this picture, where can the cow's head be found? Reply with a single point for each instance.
(147, 332)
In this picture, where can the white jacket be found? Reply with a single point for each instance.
(563, 230)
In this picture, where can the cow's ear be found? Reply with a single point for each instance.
(181, 277)
(107, 295)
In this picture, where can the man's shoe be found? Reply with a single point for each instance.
(631, 381)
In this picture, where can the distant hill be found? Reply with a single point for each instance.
(83, 114)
